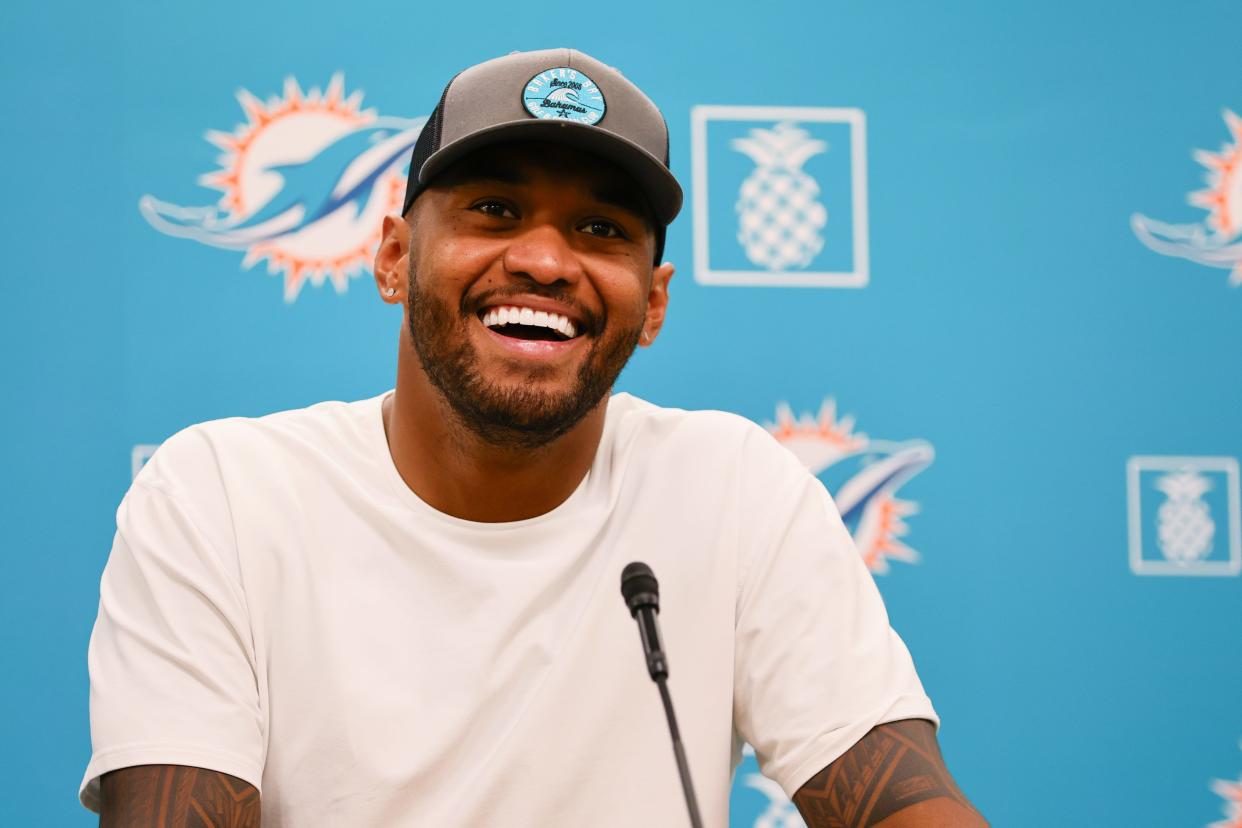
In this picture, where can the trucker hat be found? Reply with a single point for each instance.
(556, 95)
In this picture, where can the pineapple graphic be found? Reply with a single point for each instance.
(1184, 525)
(779, 218)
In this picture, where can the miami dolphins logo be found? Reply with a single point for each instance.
(863, 476)
(759, 802)
(1216, 242)
(304, 185)
(1231, 792)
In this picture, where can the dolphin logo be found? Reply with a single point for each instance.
(859, 482)
(1191, 241)
(780, 812)
(757, 801)
(339, 177)
(1231, 792)
(1218, 241)
(863, 476)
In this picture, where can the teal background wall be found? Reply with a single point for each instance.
(1013, 321)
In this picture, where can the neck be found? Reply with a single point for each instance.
(457, 473)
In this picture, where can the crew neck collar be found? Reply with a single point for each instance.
(411, 499)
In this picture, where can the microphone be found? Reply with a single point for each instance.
(642, 595)
(641, 592)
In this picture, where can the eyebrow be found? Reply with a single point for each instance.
(624, 198)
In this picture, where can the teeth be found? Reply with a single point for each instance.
(512, 315)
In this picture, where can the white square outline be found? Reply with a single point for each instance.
(861, 273)
(138, 457)
(1229, 466)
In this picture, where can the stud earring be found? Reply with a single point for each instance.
(646, 337)
(392, 291)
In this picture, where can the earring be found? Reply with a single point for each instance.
(646, 337)
(392, 292)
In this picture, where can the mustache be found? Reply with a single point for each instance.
(593, 323)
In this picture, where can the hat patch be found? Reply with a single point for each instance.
(564, 94)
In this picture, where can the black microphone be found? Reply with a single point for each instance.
(642, 595)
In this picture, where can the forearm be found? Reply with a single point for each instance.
(176, 796)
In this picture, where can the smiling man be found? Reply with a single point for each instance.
(403, 611)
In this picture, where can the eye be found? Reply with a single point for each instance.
(493, 207)
(603, 229)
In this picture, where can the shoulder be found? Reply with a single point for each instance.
(716, 440)
(206, 478)
(197, 454)
(636, 419)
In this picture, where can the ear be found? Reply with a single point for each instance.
(657, 303)
(392, 260)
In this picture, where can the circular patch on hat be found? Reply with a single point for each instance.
(564, 94)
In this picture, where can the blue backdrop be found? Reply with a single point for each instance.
(969, 233)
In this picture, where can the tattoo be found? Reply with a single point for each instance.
(891, 768)
(176, 796)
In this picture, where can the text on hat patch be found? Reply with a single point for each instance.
(564, 94)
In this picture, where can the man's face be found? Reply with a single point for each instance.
(530, 284)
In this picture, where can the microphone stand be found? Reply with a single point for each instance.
(683, 767)
(642, 596)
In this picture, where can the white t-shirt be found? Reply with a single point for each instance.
(281, 607)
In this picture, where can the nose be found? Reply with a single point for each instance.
(543, 254)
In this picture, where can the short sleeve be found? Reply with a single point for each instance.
(817, 664)
(172, 669)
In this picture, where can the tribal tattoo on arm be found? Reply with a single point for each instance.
(893, 778)
(176, 796)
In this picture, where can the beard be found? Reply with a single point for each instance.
(517, 414)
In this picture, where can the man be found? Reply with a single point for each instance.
(404, 611)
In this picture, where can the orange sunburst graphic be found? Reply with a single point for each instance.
(880, 542)
(1217, 240)
(266, 119)
(304, 184)
(1231, 792)
(825, 430)
(866, 475)
(1222, 198)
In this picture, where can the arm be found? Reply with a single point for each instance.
(175, 677)
(175, 796)
(893, 778)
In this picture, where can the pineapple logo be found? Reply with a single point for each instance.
(766, 180)
(779, 215)
(1184, 524)
(1217, 242)
(1185, 515)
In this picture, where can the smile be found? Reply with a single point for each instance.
(519, 322)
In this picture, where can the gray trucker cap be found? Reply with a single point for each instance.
(557, 95)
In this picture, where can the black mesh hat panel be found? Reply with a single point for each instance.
(426, 145)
